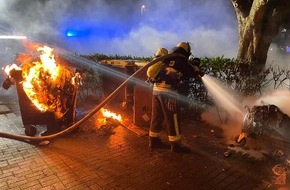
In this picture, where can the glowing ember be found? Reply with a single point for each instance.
(108, 114)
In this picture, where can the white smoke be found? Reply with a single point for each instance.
(279, 98)
(118, 27)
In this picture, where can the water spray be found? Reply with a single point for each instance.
(220, 95)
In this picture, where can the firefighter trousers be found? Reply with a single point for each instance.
(165, 111)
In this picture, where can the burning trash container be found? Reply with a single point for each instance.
(45, 97)
(265, 120)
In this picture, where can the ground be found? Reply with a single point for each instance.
(115, 157)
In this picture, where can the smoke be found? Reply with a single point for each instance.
(277, 57)
(224, 119)
(279, 98)
(225, 114)
(121, 27)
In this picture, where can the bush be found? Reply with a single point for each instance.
(237, 75)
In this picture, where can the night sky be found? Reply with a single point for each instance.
(123, 27)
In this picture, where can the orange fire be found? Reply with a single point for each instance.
(8, 68)
(45, 68)
(43, 79)
(108, 114)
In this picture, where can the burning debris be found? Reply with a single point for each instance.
(46, 89)
(105, 122)
(265, 120)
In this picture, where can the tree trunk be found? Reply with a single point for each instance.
(259, 22)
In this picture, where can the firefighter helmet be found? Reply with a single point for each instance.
(154, 69)
(161, 52)
(185, 46)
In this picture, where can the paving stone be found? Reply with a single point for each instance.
(122, 160)
(4, 109)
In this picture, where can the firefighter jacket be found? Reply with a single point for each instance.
(176, 70)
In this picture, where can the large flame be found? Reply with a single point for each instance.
(44, 81)
(39, 76)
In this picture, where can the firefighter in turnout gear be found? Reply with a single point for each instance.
(165, 108)
(184, 87)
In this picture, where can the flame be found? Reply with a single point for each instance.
(9, 68)
(45, 69)
(77, 79)
(108, 114)
(45, 82)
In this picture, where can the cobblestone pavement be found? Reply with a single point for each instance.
(121, 159)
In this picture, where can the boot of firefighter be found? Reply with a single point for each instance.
(155, 142)
(178, 147)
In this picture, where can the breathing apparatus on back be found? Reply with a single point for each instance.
(154, 69)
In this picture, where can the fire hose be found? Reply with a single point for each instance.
(38, 139)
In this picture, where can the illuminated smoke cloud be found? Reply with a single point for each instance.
(128, 27)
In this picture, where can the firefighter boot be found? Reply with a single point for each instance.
(178, 147)
(155, 142)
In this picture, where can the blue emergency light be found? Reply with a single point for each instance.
(71, 33)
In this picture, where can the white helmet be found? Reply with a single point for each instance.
(185, 46)
(161, 52)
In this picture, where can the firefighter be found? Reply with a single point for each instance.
(183, 89)
(165, 93)
(153, 70)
